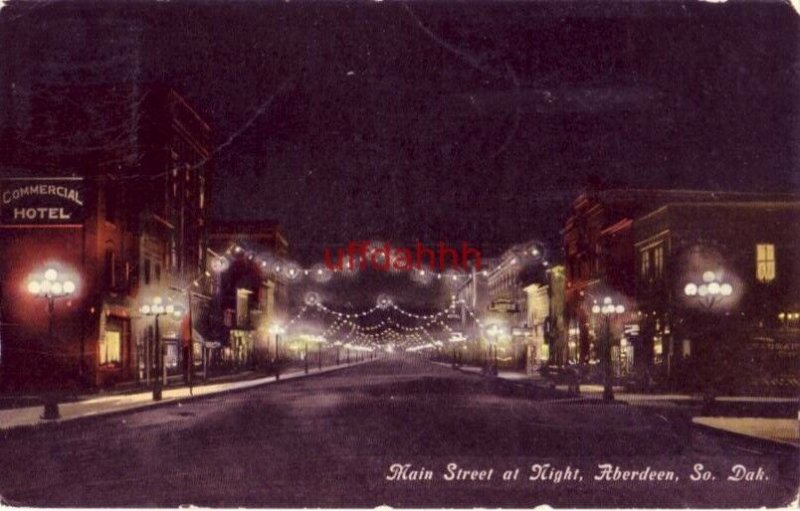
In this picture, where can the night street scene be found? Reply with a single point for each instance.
(416, 254)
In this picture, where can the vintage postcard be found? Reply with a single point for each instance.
(415, 254)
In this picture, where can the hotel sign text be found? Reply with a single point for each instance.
(43, 201)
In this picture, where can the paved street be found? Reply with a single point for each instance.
(329, 440)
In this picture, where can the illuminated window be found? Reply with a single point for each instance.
(658, 349)
(110, 348)
(658, 261)
(645, 263)
(765, 262)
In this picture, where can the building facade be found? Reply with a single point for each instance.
(125, 223)
(518, 268)
(249, 295)
(632, 245)
(717, 288)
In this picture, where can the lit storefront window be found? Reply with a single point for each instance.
(765, 262)
(658, 349)
(111, 348)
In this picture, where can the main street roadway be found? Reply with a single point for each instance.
(331, 440)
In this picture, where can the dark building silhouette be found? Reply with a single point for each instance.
(629, 244)
(251, 293)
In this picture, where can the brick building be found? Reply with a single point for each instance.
(615, 246)
(135, 230)
(250, 293)
(743, 339)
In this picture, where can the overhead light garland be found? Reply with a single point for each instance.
(290, 272)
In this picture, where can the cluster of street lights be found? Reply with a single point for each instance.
(157, 308)
(710, 291)
(51, 286)
(607, 310)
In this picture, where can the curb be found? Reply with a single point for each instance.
(83, 419)
(755, 441)
(567, 399)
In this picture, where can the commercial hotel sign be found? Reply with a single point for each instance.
(42, 201)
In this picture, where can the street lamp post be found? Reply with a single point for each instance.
(494, 332)
(608, 309)
(277, 330)
(51, 288)
(305, 355)
(708, 293)
(158, 309)
(454, 340)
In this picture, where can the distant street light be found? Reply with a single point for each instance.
(158, 309)
(52, 287)
(494, 332)
(454, 339)
(608, 309)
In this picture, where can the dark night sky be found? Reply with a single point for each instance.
(475, 121)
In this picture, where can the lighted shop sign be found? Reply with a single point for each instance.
(42, 201)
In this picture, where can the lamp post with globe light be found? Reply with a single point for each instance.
(51, 286)
(709, 293)
(494, 332)
(157, 309)
(606, 311)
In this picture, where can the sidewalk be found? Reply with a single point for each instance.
(115, 403)
(781, 430)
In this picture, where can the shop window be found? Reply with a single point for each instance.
(158, 272)
(765, 262)
(111, 348)
(658, 349)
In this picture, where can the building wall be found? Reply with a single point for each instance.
(721, 238)
(599, 253)
(117, 240)
(538, 313)
(267, 292)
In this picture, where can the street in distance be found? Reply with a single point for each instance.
(555, 475)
